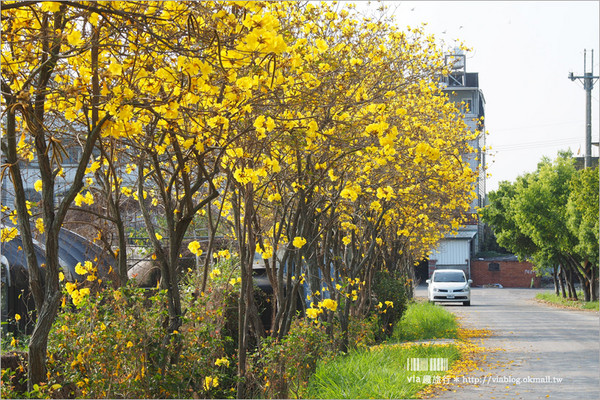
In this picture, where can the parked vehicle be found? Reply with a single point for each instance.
(449, 285)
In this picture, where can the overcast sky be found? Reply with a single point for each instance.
(523, 52)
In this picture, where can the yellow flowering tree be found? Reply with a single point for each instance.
(50, 93)
(324, 132)
(184, 88)
(355, 151)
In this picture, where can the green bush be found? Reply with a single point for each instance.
(392, 295)
(114, 344)
(362, 331)
(283, 367)
(14, 374)
(426, 321)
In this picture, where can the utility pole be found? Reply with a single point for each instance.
(588, 84)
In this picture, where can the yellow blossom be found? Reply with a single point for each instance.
(224, 253)
(312, 312)
(298, 242)
(330, 304)
(71, 287)
(214, 273)
(210, 382)
(80, 269)
(222, 361)
(274, 197)
(9, 234)
(194, 247)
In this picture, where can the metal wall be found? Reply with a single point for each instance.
(452, 252)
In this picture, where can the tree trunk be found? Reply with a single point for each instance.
(587, 280)
(38, 343)
(555, 280)
(571, 285)
(174, 295)
(242, 336)
(585, 284)
(246, 244)
(24, 224)
(122, 256)
(213, 227)
(594, 283)
(562, 279)
(344, 325)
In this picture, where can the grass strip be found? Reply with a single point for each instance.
(381, 372)
(423, 321)
(552, 298)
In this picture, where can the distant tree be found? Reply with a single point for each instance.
(582, 222)
(550, 216)
(500, 216)
(490, 243)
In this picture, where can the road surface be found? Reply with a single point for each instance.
(548, 352)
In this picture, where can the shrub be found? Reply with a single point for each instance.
(114, 344)
(14, 374)
(281, 367)
(391, 294)
(362, 331)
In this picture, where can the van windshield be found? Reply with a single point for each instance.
(449, 277)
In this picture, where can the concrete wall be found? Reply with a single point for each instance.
(510, 274)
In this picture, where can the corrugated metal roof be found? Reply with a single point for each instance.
(72, 249)
(461, 235)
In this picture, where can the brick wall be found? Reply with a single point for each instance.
(509, 274)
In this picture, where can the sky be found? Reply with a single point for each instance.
(523, 52)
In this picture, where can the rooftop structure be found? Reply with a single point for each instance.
(462, 88)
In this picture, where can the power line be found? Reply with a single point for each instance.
(535, 144)
(539, 126)
(538, 146)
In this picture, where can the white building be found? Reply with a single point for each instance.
(462, 88)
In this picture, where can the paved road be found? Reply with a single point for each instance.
(541, 342)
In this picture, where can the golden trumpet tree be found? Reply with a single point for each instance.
(163, 80)
(327, 126)
(50, 94)
(355, 148)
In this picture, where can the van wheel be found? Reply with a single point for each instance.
(467, 303)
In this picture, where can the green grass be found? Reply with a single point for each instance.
(425, 321)
(550, 297)
(380, 373)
